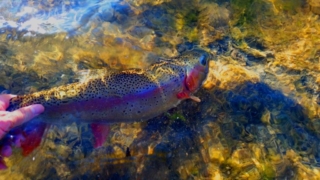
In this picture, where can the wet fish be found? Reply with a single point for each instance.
(125, 96)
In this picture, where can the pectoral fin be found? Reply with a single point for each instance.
(85, 75)
(195, 98)
(186, 95)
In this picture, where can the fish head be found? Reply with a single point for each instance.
(196, 67)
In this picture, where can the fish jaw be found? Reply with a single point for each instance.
(197, 67)
(192, 83)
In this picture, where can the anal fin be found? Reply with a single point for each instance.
(100, 133)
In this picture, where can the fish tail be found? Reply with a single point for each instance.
(27, 137)
(32, 137)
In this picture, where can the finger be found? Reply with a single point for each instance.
(3, 130)
(25, 114)
(4, 101)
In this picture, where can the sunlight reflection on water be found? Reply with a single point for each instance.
(64, 17)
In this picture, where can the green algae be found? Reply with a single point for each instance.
(291, 6)
(176, 116)
(243, 11)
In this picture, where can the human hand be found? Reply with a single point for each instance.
(9, 120)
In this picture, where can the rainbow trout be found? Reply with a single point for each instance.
(125, 96)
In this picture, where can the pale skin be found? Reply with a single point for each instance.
(9, 120)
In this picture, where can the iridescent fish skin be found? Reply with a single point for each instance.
(126, 96)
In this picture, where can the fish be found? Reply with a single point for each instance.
(125, 96)
(132, 95)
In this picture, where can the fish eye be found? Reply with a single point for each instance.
(203, 60)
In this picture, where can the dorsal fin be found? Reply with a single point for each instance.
(133, 71)
(87, 74)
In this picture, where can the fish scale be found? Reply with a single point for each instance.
(125, 96)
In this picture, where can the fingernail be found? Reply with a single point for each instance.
(37, 109)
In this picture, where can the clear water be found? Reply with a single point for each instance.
(259, 115)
